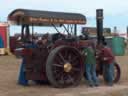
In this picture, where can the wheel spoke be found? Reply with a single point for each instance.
(62, 58)
(70, 79)
(75, 64)
(62, 79)
(66, 53)
(74, 59)
(58, 61)
(76, 69)
(57, 65)
(69, 57)
(57, 70)
(58, 75)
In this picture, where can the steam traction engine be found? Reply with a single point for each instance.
(59, 60)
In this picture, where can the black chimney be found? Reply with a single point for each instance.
(99, 21)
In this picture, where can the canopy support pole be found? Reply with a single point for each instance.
(25, 33)
(75, 29)
(32, 32)
(66, 29)
(55, 28)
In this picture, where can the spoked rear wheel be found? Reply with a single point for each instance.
(64, 67)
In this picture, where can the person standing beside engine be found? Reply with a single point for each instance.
(107, 58)
(90, 66)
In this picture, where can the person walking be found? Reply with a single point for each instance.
(90, 66)
(107, 58)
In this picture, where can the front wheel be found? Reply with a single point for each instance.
(117, 72)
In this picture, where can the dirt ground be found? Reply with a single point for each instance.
(9, 69)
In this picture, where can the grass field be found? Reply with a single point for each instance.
(9, 68)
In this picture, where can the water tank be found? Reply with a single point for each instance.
(118, 46)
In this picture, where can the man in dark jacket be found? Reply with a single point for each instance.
(108, 59)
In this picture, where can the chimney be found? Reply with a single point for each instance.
(99, 21)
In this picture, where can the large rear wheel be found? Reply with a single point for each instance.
(64, 67)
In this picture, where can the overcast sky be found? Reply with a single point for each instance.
(115, 11)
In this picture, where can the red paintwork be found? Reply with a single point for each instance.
(75, 44)
(3, 33)
(12, 44)
(36, 58)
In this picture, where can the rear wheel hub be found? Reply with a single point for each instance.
(67, 67)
